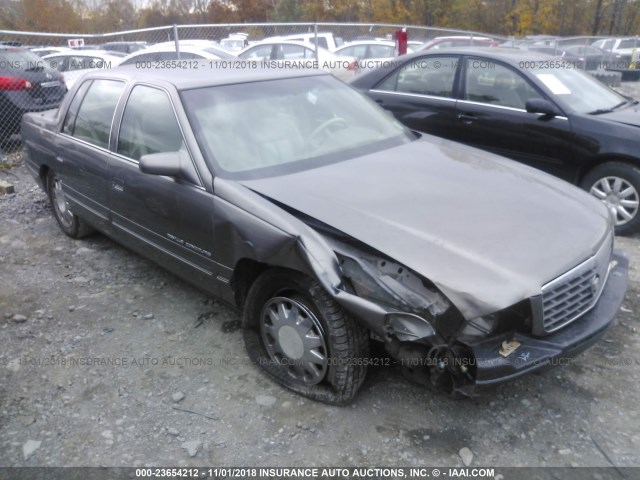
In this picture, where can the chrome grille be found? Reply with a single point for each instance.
(571, 295)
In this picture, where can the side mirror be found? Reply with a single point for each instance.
(538, 105)
(170, 164)
(164, 163)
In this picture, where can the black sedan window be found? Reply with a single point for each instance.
(424, 76)
(149, 124)
(93, 122)
(489, 82)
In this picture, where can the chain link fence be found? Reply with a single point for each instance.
(27, 82)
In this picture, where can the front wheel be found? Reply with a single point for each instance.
(618, 186)
(68, 222)
(303, 339)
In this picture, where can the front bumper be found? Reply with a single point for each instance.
(535, 353)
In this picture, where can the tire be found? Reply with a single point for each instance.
(303, 339)
(618, 186)
(68, 222)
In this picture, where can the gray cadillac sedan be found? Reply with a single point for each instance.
(295, 198)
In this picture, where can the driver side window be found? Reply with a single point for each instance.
(495, 84)
(149, 124)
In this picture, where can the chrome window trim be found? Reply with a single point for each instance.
(502, 107)
(418, 95)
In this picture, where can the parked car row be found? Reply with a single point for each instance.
(508, 101)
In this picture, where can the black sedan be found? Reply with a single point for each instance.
(527, 106)
(27, 84)
(291, 196)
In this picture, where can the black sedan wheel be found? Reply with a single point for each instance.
(69, 223)
(618, 186)
(303, 339)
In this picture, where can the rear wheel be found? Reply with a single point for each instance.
(618, 186)
(69, 222)
(303, 339)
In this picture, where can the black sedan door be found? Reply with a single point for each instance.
(421, 95)
(169, 219)
(492, 115)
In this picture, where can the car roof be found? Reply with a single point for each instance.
(386, 43)
(507, 55)
(204, 75)
(84, 53)
(461, 37)
(283, 41)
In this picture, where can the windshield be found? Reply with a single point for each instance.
(276, 127)
(578, 90)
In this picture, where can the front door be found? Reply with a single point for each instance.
(169, 219)
(492, 115)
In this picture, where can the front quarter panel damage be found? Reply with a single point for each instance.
(397, 306)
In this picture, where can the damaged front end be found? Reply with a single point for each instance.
(433, 342)
(416, 322)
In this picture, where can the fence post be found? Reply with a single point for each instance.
(176, 40)
(315, 34)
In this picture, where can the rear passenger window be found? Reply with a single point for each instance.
(72, 113)
(94, 118)
(424, 76)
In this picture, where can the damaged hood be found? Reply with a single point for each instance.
(488, 232)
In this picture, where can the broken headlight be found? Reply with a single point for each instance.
(516, 318)
(481, 326)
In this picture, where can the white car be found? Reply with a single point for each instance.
(626, 48)
(322, 39)
(293, 54)
(365, 49)
(75, 63)
(235, 42)
(189, 50)
(43, 51)
(369, 53)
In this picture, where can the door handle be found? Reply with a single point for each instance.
(379, 101)
(467, 118)
(117, 185)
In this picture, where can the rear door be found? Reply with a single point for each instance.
(421, 94)
(83, 161)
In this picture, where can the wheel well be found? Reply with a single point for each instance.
(634, 162)
(245, 273)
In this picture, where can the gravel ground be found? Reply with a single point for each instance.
(107, 360)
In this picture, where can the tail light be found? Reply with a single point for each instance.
(14, 83)
(353, 66)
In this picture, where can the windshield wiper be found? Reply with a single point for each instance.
(621, 104)
(608, 110)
